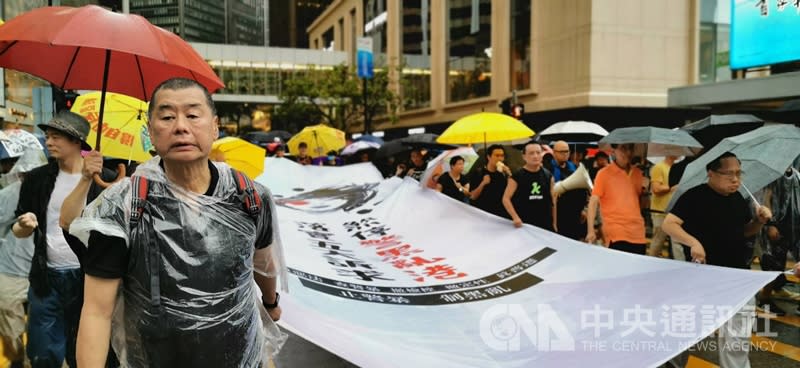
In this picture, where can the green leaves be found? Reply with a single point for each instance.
(335, 97)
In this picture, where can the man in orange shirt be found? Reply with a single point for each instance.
(617, 189)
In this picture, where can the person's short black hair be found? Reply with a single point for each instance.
(176, 84)
(302, 145)
(716, 163)
(492, 148)
(600, 154)
(525, 147)
(454, 160)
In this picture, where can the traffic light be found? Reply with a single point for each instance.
(69, 99)
(517, 111)
(64, 99)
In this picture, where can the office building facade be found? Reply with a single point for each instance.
(240, 22)
(609, 61)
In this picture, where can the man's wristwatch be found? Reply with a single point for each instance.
(273, 305)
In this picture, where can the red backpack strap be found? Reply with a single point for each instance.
(249, 194)
(139, 190)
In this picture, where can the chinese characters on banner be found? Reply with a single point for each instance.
(763, 6)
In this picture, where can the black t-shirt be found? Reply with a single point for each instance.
(491, 198)
(107, 256)
(570, 205)
(449, 187)
(418, 171)
(533, 200)
(676, 171)
(716, 221)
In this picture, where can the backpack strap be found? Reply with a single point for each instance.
(140, 189)
(249, 194)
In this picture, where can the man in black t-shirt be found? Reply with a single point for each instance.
(528, 197)
(571, 217)
(488, 183)
(191, 266)
(712, 220)
(452, 183)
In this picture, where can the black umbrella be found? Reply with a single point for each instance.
(264, 138)
(392, 148)
(714, 128)
(425, 140)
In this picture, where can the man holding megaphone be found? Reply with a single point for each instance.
(490, 182)
(571, 191)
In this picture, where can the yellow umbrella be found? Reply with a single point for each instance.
(125, 133)
(320, 139)
(485, 127)
(240, 155)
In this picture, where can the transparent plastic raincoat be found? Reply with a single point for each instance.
(188, 297)
(16, 253)
(785, 206)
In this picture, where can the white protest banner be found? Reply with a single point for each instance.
(16, 141)
(389, 274)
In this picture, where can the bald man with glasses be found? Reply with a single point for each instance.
(570, 221)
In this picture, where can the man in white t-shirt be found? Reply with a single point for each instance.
(56, 280)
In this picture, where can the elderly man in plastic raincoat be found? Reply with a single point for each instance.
(16, 255)
(191, 266)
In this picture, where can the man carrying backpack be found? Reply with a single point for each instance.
(189, 242)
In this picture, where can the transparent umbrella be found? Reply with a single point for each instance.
(658, 141)
(763, 153)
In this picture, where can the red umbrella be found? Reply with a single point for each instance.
(93, 48)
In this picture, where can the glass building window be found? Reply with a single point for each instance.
(416, 46)
(469, 49)
(327, 40)
(375, 18)
(18, 85)
(520, 44)
(714, 53)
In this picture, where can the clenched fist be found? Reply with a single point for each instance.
(92, 164)
(27, 221)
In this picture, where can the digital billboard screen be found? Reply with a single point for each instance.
(764, 32)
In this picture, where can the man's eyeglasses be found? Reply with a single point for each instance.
(731, 174)
(561, 151)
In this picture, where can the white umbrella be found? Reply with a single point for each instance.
(573, 131)
(441, 163)
(358, 146)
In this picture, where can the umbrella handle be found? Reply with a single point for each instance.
(99, 181)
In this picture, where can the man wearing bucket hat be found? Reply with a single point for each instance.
(56, 280)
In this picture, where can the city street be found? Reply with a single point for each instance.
(426, 183)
